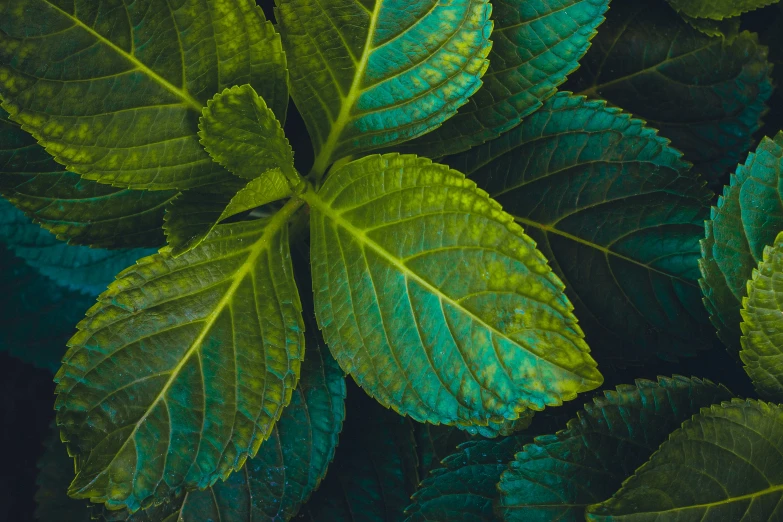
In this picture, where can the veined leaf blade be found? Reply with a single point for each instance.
(718, 9)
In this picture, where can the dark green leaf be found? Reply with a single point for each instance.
(55, 472)
(724, 464)
(618, 215)
(536, 44)
(435, 301)
(114, 89)
(728, 28)
(555, 478)
(747, 218)
(180, 370)
(717, 9)
(705, 94)
(434, 442)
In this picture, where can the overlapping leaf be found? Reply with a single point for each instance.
(372, 74)
(536, 44)
(615, 211)
(114, 89)
(705, 94)
(434, 442)
(435, 301)
(762, 327)
(55, 471)
(724, 464)
(747, 218)
(717, 9)
(180, 370)
(559, 475)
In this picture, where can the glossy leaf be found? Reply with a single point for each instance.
(717, 9)
(114, 89)
(205, 348)
(536, 44)
(614, 209)
(762, 326)
(556, 477)
(77, 210)
(389, 236)
(724, 464)
(705, 94)
(367, 75)
(747, 218)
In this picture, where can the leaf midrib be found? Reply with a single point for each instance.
(138, 64)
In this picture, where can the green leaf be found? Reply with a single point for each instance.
(559, 475)
(724, 464)
(536, 44)
(114, 89)
(717, 9)
(371, 74)
(762, 314)
(705, 94)
(746, 219)
(464, 490)
(205, 348)
(435, 301)
(55, 471)
(434, 442)
(77, 210)
(728, 28)
(615, 211)
(374, 472)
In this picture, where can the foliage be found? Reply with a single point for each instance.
(488, 225)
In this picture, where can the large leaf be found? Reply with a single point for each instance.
(559, 475)
(747, 218)
(114, 89)
(435, 301)
(717, 9)
(464, 490)
(374, 472)
(616, 212)
(705, 94)
(371, 74)
(724, 464)
(536, 44)
(180, 370)
(762, 327)
(77, 210)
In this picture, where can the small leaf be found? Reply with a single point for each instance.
(718, 9)
(728, 28)
(434, 442)
(724, 464)
(435, 301)
(745, 220)
(705, 94)
(496, 428)
(205, 348)
(536, 45)
(55, 471)
(373, 74)
(762, 313)
(615, 211)
(114, 89)
(559, 475)
(76, 210)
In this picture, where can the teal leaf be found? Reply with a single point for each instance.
(762, 326)
(389, 235)
(76, 210)
(724, 464)
(205, 347)
(718, 9)
(434, 442)
(747, 218)
(373, 74)
(706, 95)
(558, 475)
(114, 89)
(536, 44)
(615, 211)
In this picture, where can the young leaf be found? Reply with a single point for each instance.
(745, 220)
(615, 211)
(717, 9)
(724, 464)
(559, 475)
(435, 301)
(464, 490)
(114, 89)
(705, 94)
(762, 312)
(536, 44)
(76, 210)
(180, 370)
(367, 75)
